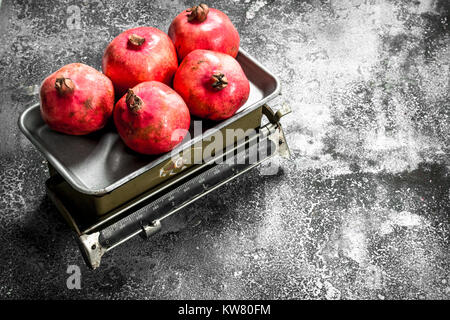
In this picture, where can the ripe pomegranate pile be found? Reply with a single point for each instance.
(159, 80)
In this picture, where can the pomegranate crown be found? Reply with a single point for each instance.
(64, 85)
(136, 40)
(219, 80)
(198, 13)
(133, 101)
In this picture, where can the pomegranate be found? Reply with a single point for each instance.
(213, 84)
(151, 118)
(76, 99)
(138, 55)
(201, 27)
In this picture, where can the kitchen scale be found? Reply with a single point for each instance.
(108, 194)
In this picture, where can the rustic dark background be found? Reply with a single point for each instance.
(362, 211)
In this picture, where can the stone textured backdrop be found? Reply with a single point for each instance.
(362, 211)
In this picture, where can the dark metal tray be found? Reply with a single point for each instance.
(98, 163)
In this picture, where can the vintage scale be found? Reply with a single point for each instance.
(109, 194)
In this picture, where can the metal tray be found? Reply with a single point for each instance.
(99, 163)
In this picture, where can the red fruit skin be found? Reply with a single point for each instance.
(83, 111)
(193, 82)
(150, 129)
(128, 65)
(216, 33)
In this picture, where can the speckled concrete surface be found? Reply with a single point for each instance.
(362, 211)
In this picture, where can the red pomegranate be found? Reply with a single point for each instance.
(151, 118)
(213, 84)
(76, 99)
(138, 55)
(201, 27)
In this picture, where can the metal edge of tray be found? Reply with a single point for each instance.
(77, 185)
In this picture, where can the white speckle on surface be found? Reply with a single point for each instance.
(402, 219)
(313, 120)
(372, 277)
(353, 241)
(254, 8)
(331, 293)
